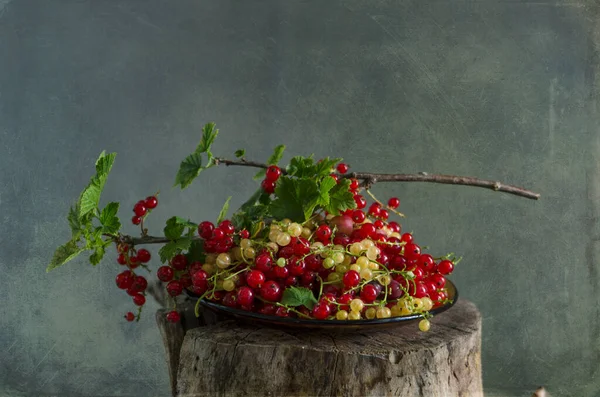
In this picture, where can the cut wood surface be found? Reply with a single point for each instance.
(230, 359)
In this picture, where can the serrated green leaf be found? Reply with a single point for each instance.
(240, 153)
(340, 198)
(109, 219)
(209, 133)
(189, 169)
(325, 166)
(326, 185)
(301, 167)
(89, 199)
(295, 198)
(173, 230)
(97, 256)
(172, 248)
(64, 254)
(223, 213)
(104, 164)
(273, 160)
(298, 296)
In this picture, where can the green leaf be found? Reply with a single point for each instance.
(97, 256)
(104, 165)
(185, 222)
(89, 199)
(326, 185)
(302, 167)
(340, 198)
(223, 213)
(64, 254)
(196, 252)
(240, 153)
(109, 219)
(189, 169)
(209, 133)
(296, 198)
(273, 160)
(298, 296)
(172, 248)
(325, 166)
(173, 230)
(74, 221)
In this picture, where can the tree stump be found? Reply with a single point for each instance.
(230, 359)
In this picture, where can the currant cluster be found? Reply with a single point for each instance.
(135, 285)
(357, 265)
(142, 208)
(272, 174)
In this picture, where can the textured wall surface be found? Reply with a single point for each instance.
(497, 89)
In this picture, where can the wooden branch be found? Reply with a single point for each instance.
(368, 179)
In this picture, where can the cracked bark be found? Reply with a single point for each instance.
(230, 359)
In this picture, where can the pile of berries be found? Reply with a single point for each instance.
(357, 265)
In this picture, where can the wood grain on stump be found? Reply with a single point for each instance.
(227, 359)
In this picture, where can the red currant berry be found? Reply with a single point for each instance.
(173, 317)
(194, 267)
(394, 202)
(230, 299)
(323, 232)
(129, 316)
(136, 220)
(321, 311)
(341, 239)
(436, 297)
(297, 266)
(369, 293)
(244, 233)
(412, 251)
(439, 280)
(281, 272)
(301, 246)
(282, 312)
(165, 273)
(227, 227)
(394, 227)
(406, 238)
(445, 267)
(420, 290)
(200, 279)
(205, 230)
(133, 262)
(140, 208)
(143, 255)
(255, 278)
(263, 262)
(273, 173)
(179, 262)
(378, 224)
(313, 262)
(174, 288)
(286, 252)
(139, 299)
(268, 309)
(375, 209)
(354, 184)
(430, 286)
(344, 300)
(351, 278)
(218, 234)
(335, 177)
(360, 201)
(367, 230)
(121, 259)
(271, 291)
(426, 262)
(268, 186)
(342, 168)
(358, 216)
(418, 273)
(139, 284)
(245, 296)
(151, 202)
(384, 214)
(125, 279)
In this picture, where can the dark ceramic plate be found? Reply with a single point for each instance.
(330, 325)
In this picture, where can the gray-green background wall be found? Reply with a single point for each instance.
(502, 90)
